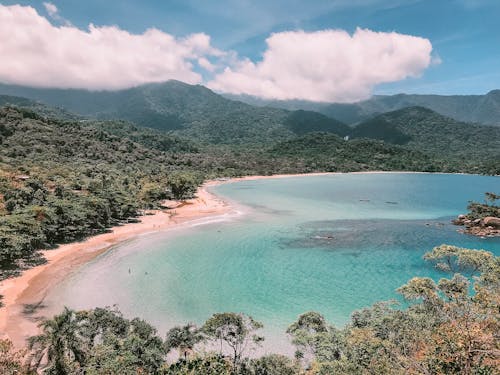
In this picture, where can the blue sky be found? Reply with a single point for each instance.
(465, 34)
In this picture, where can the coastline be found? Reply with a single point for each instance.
(27, 291)
(23, 296)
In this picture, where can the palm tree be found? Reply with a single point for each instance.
(60, 344)
(183, 338)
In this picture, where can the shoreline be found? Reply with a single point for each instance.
(24, 295)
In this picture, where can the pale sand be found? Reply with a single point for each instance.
(251, 178)
(32, 286)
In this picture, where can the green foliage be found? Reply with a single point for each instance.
(481, 210)
(201, 365)
(183, 185)
(463, 146)
(183, 338)
(454, 259)
(63, 181)
(236, 331)
(98, 341)
(380, 128)
(302, 122)
(272, 364)
(328, 152)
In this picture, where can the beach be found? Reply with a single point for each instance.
(23, 296)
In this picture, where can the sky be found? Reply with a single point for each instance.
(333, 51)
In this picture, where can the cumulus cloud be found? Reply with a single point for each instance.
(36, 53)
(328, 65)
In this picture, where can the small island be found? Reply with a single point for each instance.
(483, 219)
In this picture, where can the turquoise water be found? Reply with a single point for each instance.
(332, 244)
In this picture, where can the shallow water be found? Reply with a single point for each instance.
(332, 243)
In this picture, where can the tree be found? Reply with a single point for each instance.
(314, 338)
(237, 331)
(491, 198)
(274, 364)
(183, 338)
(182, 185)
(201, 365)
(455, 259)
(60, 344)
(94, 342)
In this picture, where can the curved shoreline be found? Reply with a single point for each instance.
(24, 295)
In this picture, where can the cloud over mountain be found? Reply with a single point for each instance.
(36, 53)
(328, 65)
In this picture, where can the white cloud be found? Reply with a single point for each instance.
(206, 64)
(328, 65)
(53, 13)
(51, 9)
(36, 53)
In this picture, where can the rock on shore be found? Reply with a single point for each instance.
(485, 227)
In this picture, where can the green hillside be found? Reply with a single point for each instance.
(302, 122)
(186, 110)
(425, 130)
(482, 109)
(328, 152)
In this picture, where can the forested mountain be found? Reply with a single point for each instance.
(302, 122)
(187, 110)
(483, 109)
(425, 130)
(38, 107)
(329, 152)
(194, 116)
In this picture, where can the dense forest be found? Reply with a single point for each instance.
(449, 327)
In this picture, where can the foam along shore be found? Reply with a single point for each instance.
(24, 295)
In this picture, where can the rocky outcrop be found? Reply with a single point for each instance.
(485, 227)
(491, 221)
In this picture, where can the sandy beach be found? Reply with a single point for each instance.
(24, 295)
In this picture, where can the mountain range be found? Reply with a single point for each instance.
(482, 109)
(194, 116)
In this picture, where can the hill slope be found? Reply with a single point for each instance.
(187, 110)
(428, 131)
(484, 109)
